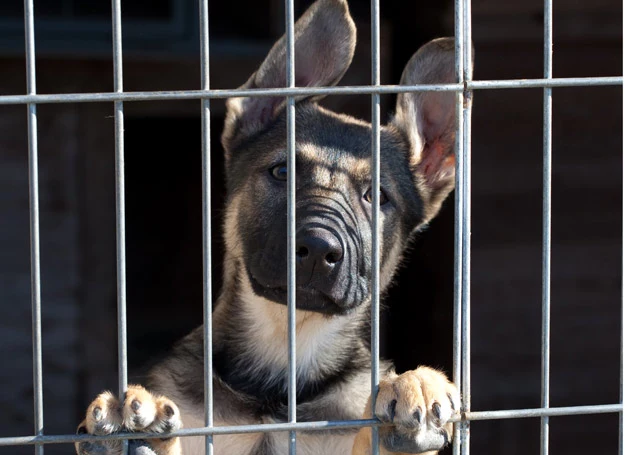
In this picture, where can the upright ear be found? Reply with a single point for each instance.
(324, 42)
(428, 120)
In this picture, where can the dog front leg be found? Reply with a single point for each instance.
(418, 404)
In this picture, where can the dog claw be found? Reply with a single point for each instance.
(451, 400)
(135, 405)
(418, 416)
(436, 408)
(169, 411)
(391, 410)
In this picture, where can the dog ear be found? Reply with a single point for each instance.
(324, 42)
(428, 119)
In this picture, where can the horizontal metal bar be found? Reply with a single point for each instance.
(545, 83)
(544, 412)
(240, 429)
(308, 91)
(312, 426)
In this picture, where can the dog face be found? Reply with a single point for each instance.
(333, 170)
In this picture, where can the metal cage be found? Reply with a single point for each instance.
(463, 88)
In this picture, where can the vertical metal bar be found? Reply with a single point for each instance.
(207, 284)
(546, 285)
(467, 65)
(621, 442)
(622, 388)
(290, 134)
(122, 350)
(622, 384)
(375, 221)
(33, 186)
(458, 221)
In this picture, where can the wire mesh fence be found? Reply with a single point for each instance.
(463, 88)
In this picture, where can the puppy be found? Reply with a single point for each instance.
(333, 248)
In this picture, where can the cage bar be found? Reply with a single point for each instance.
(207, 281)
(120, 207)
(291, 179)
(308, 91)
(546, 247)
(463, 223)
(458, 203)
(375, 218)
(466, 237)
(312, 426)
(621, 440)
(33, 189)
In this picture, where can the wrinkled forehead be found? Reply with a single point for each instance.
(337, 146)
(331, 148)
(327, 165)
(338, 140)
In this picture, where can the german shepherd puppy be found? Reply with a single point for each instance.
(333, 243)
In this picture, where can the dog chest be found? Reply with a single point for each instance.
(311, 443)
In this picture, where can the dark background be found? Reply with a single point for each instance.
(163, 197)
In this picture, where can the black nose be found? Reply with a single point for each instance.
(318, 251)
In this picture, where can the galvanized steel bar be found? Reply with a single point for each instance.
(122, 349)
(467, 66)
(621, 441)
(308, 91)
(375, 218)
(622, 375)
(540, 412)
(458, 203)
(33, 188)
(536, 83)
(291, 179)
(207, 282)
(311, 426)
(622, 384)
(546, 275)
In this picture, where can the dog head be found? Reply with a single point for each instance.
(333, 170)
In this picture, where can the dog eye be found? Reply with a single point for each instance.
(278, 172)
(369, 196)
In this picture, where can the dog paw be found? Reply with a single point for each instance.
(419, 403)
(140, 411)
